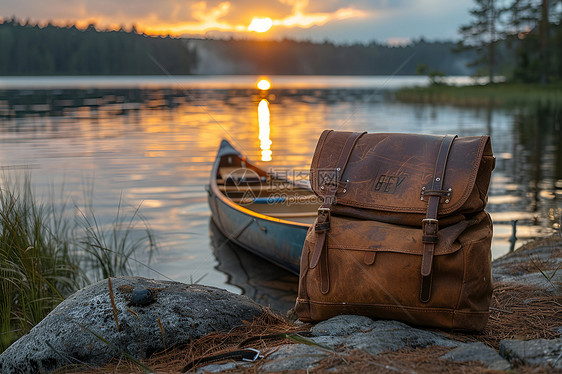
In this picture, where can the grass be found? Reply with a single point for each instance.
(47, 253)
(497, 95)
(109, 250)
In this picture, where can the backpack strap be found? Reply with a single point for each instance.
(322, 225)
(430, 225)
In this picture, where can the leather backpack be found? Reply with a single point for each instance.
(402, 232)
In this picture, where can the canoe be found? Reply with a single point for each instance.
(258, 211)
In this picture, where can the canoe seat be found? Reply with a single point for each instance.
(240, 176)
(233, 188)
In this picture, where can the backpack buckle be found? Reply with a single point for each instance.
(430, 221)
(323, 220)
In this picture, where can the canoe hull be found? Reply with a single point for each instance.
(274, 240)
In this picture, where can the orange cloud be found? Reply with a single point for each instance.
(300, 18)
(207, 19)
(212, 18)
(184, 17)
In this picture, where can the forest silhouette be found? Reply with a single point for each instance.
(29, 49)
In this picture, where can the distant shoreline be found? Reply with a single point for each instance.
(495, 95)
(382, 82)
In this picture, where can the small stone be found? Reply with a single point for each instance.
(142, 296)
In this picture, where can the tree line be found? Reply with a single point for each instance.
(29, 49)
(305, 57)
(521, 39)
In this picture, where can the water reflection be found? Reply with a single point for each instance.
(524, 184)
(257, 278)
(155, 147)
(263, 121)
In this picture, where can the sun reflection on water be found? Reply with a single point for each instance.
(263, 121)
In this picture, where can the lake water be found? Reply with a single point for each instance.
(151, 141)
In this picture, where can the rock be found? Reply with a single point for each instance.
(353, 332)
(378, 336)
(540, 250)
(546, 352)
(526, 265)
(394, 335)
(551, 285)
(478, 352)
(293, 357)
(67, 334)
(217, 368)
(343, 325)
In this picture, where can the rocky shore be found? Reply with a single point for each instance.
(132, 324)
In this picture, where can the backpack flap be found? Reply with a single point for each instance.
(388, 176)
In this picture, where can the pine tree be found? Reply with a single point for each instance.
(482, 34)
(534, 26)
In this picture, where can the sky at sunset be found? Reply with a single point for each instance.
(340, 21)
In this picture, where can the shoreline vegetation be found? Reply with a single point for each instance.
(48, 252)
(506, 95)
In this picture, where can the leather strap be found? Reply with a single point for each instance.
(324, 271)
(321, 228)
(323, 222)
(320, 253)
(430, 225)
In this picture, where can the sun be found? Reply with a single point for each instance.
(264, 85)
(260, 24)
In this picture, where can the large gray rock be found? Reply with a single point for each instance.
(535, 264)
(293, 357)
(68, 333)
(547, 352)
(478, 352)
(353, 332)
(343, 325)
(377, 336)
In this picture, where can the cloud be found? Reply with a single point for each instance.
(205, 18)
(181, 16)
(366, 5)
(219, 17)
(301, 18)
(337, 20)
